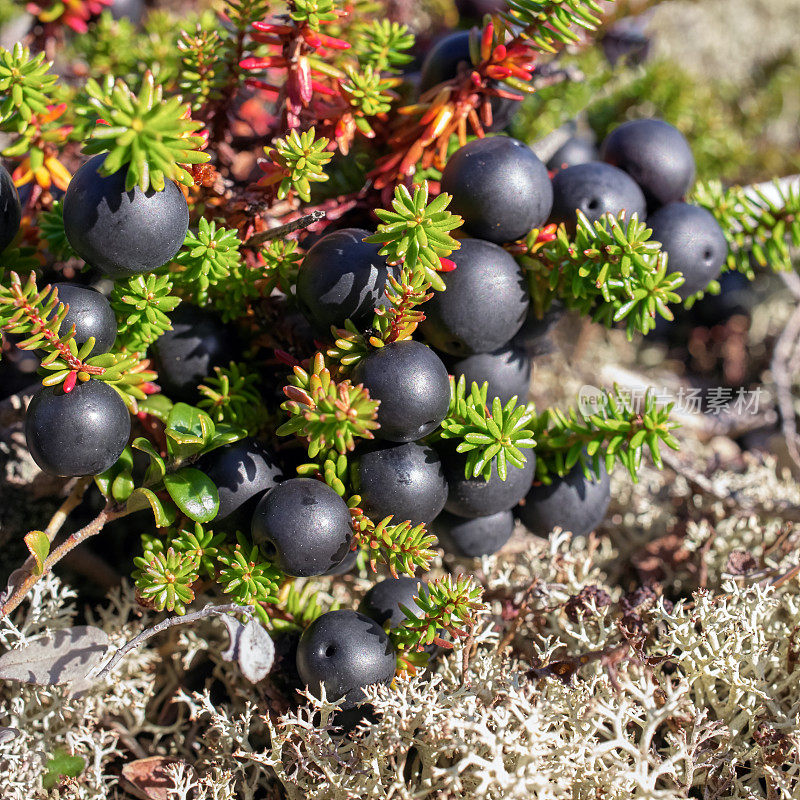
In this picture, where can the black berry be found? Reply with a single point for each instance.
(404, 480)
(413, 386)
(656, 155)
(242, 472)
(471, 538)
(198, 342)
(122, 232)
(500, 188)
(80, 433)
(694, 241)
(574, 151)
(573, 503)
(484, 305)
(382, 602)
(303, 526)
(476, 497)
(345, 651)
(444, 59)
(90, 313)
(341, 277)
(736, 298)
(10, 209)
(443, 62)
(595, 189)
(507, 369)
(535, 334)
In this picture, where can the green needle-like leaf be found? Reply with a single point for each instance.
(153, 136)
(417, 232)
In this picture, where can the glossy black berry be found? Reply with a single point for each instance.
(694, 241)
(80, 433)
(413, 386)
(404, 480)
(303, 526)
(242, 472)
(484, 305)
(573, 503)
(476, 497)
(123, 232)
(656, 155)
(443, 62)
(341, 277)
(574, 151)
(382, 602)
(507, 369)
(595, 189)
(10, 209)
(500, 188)
(90, 313)
(198, 342)
(345, 651)
(471, 538)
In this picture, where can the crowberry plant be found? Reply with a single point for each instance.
(256, 265)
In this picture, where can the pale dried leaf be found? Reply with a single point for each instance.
(235, 629)
(60, 657)
(256, 652)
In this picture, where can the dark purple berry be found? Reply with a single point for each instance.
(345, 651)
(303, 526)
(10, 209)
(382, 602)
(694, 241)
(656, 155)
(198, 342)
(573, 503)
(471, 538)
(80, 433)
(413, 386)
(121, 232)
(574, 151)
(476, 497)
(484, 305)
(341, 278)
(90, 313)
(595, 189)
(500, 188)
(242, 472)
(404, 480)
(444, 61)
(535, 334)
(627, 41)
(736, 298)
(507, 369)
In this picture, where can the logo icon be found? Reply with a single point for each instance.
(591, 400)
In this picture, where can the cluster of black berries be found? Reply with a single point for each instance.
(646, 167)
(478, 328)
(121, 233)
